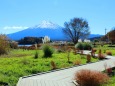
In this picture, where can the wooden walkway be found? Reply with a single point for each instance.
(63, 77)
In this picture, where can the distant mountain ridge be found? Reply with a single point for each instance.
(46, 28)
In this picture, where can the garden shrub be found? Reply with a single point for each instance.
(83, 46)
(53, 65)
(94, 50)
(104, 51)
(109, 53)
(87, 77)
(101, 56)
(87, 46)
(68, 55)
(88, 58)
(25, 61)
(100, 51)
(48, 50)
(79, 46)
(36, 55)
(77, 62)
(110, 71)
(4, 45)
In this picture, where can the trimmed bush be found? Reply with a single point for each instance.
(94, 50)
(91, 78)
(87, 46)
(109, 53)
(100, 51)
(79, 46)
(53, 65)
(83, 46)
(68, 55)
(48, 50)
(101, 56)
(110, 72)
(36, 55)
(77, 62)
(25, 61)
(88, 58)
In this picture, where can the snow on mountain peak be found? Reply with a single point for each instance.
(47, 24)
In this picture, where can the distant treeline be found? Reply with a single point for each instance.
(110, 36)
(30, 40)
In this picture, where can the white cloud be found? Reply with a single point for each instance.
(14, 27)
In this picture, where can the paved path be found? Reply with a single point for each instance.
(63, 77)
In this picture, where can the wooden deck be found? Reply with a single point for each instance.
(62, 77)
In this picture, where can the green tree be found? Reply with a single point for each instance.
(76, 28)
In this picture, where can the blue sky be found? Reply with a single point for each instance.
(17, 15)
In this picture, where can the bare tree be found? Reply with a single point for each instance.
(76, 28)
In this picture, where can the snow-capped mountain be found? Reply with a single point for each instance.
(47, 24)
(46, 28)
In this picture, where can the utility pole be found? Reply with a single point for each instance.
(105, 31)
(105, 35)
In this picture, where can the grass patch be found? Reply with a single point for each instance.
(105, 49)
(111, 82)
(20, 63)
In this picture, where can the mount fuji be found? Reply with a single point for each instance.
(46, 28)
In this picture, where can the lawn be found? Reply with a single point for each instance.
(111, 82)
(105, 48)
(20, 63)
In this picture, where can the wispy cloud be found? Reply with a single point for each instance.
(14, 27)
